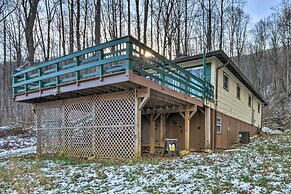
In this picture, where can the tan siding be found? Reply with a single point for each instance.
(228, 103)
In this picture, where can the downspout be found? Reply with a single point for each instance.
(216, 100)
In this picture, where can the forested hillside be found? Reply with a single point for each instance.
(33, 31)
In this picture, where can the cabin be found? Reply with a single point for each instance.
(120, 99)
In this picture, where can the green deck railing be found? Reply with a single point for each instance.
(117, 56)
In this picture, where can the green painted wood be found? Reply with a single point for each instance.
(75, 54)
(156, 68)
(49, 71)
(90, 74)
(72, 70)
(77, 72)
(67, 66)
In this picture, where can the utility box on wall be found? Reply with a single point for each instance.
(244, 137)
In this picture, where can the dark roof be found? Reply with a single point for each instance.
(222, 56)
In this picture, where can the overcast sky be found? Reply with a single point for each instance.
(259, 9)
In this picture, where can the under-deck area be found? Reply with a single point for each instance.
(112, 100)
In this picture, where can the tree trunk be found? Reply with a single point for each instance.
(146, 8)
(3, 119)
(128, 17)
(63, 28)
(209, 27)
(78, 20)
(30, 16)
(137, 19)
(221, 25)
(85, 24)
(97, 21)
(71, 25)
(186, 28)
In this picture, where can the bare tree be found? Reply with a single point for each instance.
(146, 9)
(97, 5)
(30, 11)
(137, 19)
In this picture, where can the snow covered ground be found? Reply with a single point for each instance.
(15, 142)
(263, 166)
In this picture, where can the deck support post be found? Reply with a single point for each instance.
(162, 130)
(141, 98)
(189, 113)
(152, 134)
(207, 128)
(187, 130)
(153, 119)
(137, 148)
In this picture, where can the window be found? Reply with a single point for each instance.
(259, 108)
(225, 81)
(218, 125)
(250, 101)
(198, 72)
(238, 91)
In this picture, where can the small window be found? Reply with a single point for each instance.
(250, 101)
(225, 81)
(259, 108)
(218, 125)
(238, 91)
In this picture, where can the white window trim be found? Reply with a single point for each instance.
(226, 88)
(250, 96)
(218, 118)
(238, 86)
(259, 108)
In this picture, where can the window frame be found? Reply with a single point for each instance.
(238, 91)
(250, 100)
(225, 75)
(259, 108)
(218, 125)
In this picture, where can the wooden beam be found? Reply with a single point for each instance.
(193, 112)
(152, 134)
(187, 130)
(207, 128)
(142, 92)
(162, 130)
(203, 112)
(157, 87)
(156, 117)
(137, 149)
(182, 115)
(145, 99)
(169, 110)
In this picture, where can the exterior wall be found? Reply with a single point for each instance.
(230, 105)
(230, 128)
(175, 129)
(145, 131)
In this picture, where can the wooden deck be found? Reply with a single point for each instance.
(118, 65)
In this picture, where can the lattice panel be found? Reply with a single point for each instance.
(102, 125)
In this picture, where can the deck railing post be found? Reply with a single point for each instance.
(129, 50)
(39, 82)
(57, 77)
(188, 82)
(163, 74)
(101, 68)
(26, 85)
(77, 63)
(14, 91)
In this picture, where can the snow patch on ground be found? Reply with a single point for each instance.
(22, 141)
(270, 131)
(18, 152)
(263, 166)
